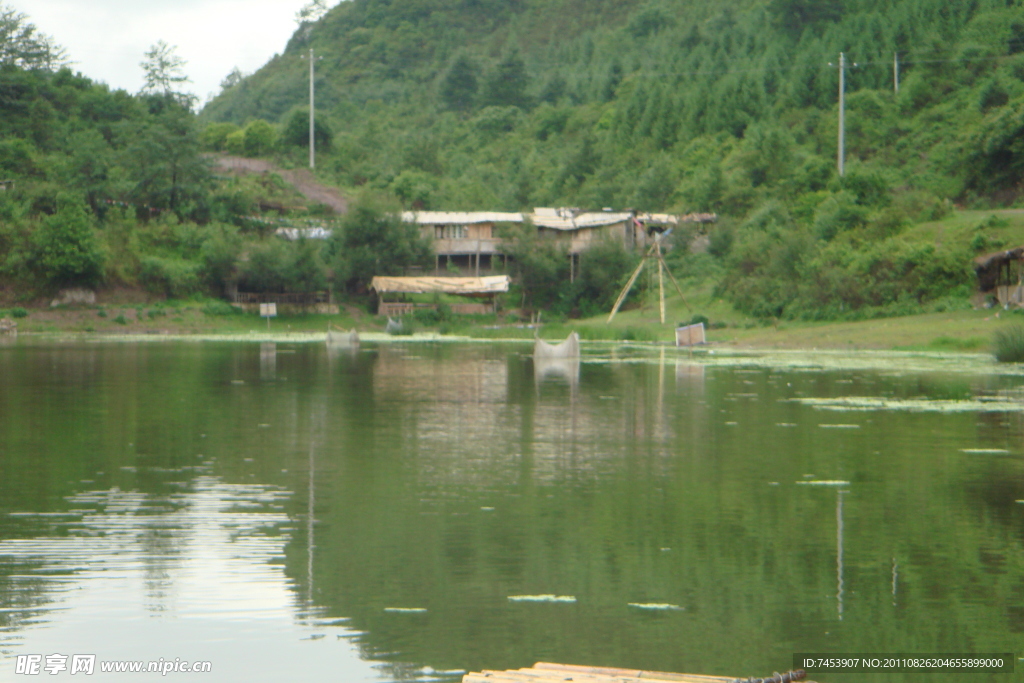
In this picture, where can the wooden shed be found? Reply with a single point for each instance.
(1001, 274)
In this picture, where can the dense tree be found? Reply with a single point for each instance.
(540, 267)
(460, 83)
(163, 70)
(296, 130)
(372, 241)
(794, 16)
(163, 160)
(506, 85)
(23, 46)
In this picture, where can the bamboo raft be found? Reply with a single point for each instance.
(545, 672)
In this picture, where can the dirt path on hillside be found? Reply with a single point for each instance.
(302, 179)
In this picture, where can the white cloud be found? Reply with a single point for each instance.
(107, 38)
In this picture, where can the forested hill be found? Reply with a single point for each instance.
(656, 104)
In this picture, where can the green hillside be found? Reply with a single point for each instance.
(109, 190)
(682, 106)
(655, 105)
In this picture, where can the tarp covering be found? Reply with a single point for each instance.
(467, 286)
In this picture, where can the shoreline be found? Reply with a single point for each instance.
(964, 331)
(602, 351)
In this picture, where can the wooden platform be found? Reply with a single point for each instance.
(544, 672)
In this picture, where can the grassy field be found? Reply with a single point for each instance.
(962, 330)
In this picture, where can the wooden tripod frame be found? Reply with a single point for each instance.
(655, 253)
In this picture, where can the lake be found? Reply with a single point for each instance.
(410, 511)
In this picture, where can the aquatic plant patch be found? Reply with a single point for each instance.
(981, 404)
(542, 598)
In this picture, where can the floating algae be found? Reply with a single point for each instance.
(542, 598)
(406, 610)
(656, 606)
(986, 404)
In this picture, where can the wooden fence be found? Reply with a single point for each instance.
(396, 309)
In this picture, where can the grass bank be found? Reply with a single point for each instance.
(955, 331)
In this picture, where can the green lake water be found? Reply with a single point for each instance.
(293, 514)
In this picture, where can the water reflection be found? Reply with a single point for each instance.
(562, 369)
(164, 496)
(210, 556)
(839, 552)
(268, 361)
(690, 376)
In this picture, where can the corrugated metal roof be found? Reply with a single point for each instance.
(594, 219)
(459, 217)
(673, 219)
(447, 285)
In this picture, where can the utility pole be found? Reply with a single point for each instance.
(842, 111)
(840, 152)
(312, 115)
(896, 72)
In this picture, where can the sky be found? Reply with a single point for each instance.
(106, 39)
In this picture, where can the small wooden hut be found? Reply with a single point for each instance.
(1001, 275)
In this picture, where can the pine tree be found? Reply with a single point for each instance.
(459, 86)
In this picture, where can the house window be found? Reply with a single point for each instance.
(450, 232)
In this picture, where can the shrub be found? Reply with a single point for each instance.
(219, 308)
(235, 142)
(19, 312)
(1008, 344)
(214, 137)
(120, 319)
(170, 276)
(427, 316)
(65, 250)
(258, 138)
